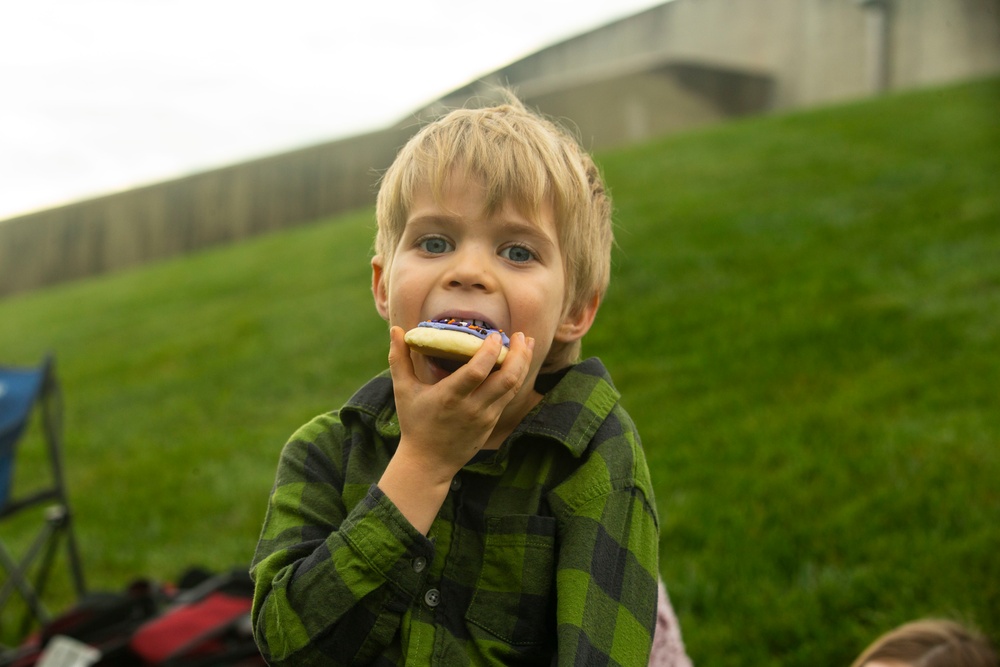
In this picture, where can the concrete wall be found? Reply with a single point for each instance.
(935, 41)
(130, 228)
(672, 67)
(816, 51)
(660, 99)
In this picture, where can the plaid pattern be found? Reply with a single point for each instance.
(545, 551)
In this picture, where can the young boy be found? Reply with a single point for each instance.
(456, 514)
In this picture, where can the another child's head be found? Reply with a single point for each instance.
(523, 161)
(929, 643)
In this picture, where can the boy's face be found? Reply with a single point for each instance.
(455, 261)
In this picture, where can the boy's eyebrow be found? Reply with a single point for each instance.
(518, 227)
(524, 227)
(436, 216)
(436, 219)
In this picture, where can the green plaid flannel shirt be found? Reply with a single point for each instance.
(545, 551)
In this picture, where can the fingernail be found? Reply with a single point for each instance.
(531, 344)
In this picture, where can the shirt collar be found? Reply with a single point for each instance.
(574, 408)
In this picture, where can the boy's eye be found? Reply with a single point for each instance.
(435, 245)
(516, 253)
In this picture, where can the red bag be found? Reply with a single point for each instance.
(105, 621)
(208, 625)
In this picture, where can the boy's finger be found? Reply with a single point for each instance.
(507, 382)
(400, 364)
(477, 370)
(520, 356)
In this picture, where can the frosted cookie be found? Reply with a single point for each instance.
(452, 339)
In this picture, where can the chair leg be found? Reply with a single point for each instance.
(15, 578)
(17, 575)
(75, 563)
(60, 518)
(57, 519)
(52, 423)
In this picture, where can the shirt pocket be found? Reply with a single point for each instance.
(514, 595)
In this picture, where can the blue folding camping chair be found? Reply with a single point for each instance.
(25, 392)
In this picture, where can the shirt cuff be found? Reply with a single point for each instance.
(379, 533)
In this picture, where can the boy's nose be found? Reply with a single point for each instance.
(470, 269)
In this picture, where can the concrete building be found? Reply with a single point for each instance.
(676, 66)
(691, 62)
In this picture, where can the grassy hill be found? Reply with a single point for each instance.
(804, 320)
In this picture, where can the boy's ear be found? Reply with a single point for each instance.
(576, 323)
(379, 288)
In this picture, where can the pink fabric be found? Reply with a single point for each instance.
(668, 646)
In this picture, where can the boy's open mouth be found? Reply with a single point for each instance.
(447, 365)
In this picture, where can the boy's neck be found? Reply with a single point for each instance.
(549, 378)
(518, 409)
(513, 414)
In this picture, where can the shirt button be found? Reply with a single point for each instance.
(456, 484)
(419, 563)
(432, 597)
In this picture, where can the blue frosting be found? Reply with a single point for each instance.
(465, 327)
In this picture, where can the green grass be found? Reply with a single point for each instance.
(804, 320)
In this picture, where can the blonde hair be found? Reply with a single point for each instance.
(931, 643)
(520, 158)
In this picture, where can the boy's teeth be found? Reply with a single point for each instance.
(468, 322)
(476, 323)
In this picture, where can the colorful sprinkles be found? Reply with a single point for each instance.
(453, 324)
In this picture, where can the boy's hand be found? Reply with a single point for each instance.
(451, 420)
(443, 425)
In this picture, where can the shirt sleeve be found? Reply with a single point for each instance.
(607, 572)
(331, 582)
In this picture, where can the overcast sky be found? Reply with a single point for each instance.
(102, 95)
